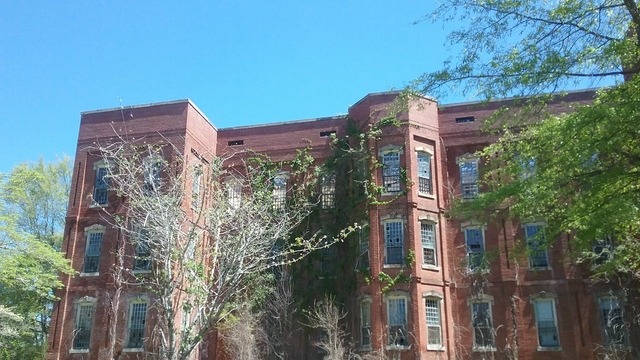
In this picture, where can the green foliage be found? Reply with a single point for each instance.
(585, 181)
(529, 47)
(32, 209)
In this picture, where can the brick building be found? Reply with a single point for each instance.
(467, 294)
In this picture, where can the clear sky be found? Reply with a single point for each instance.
(241, 62)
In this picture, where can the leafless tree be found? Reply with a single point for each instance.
(193, 250)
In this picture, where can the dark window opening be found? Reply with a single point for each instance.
(327, 133)
(465, 119)
(235, 142)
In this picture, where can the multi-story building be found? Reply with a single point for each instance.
(449, 289)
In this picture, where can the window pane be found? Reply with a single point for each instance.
(424, 173)
(279, 192)
(391, 172)
(545, 318)
(136, 325)
(365, 323)
(469, 179)
(428, 236)
(101, 186)
(397, 321)
(536, 245)
(482, 328)
(84, 322)
(613, 321)
(328, 191)
(434, 336)
(475, 247)
(92, 254)
(394, 242)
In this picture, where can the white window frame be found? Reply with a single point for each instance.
(429, 243)
(280, 185)
(89, 233)
(393, 243)
(328, 191)
(234, 191)
(469, 183)
(487, 300)
(472, 254)
(196, 186)
(546, 298)
(603, 249)
(536, 246)
(363, 247)
(433, 319)
(606, 305)
(142, 250)
(397, 326)
(152, 173)
(365, 323)
(87, 304)
(391, 170)
(101, 183)
(425, 176)
(130, 322)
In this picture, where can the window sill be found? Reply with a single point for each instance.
(133, 350)
(365, 348)
(98, 206)
(426, 195)
(392, 266)
(79, 351)
(430, 267)
(84, 274)
(391, 193)
(484, 349)
(398, 347)
(435, 348)
(141, 271)
(549, 348)
(539, 268)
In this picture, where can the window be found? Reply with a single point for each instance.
(482, 326)
(546, 322)
(152, 168)
(534, 234)
(424, 173)
(137, 319)
(474, 239)
(363, 244)
(428, 236)
(142, 260)
(279, 191)
(394, 242)
(613, 326)
(465, 119)
(528, 168)
(603, 250)
(328, 191)
(101, 183)
(85, 310)
(434, 330)
(195, 186)
(234, 192)
(95, 236)
(397, 320)
(469, 178)
(365, 323)
(391, 171)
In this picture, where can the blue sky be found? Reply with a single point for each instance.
(241, 62)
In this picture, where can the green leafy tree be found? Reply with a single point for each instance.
(32, 208)
(577, 171)
(528, 47)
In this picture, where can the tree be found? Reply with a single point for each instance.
(32, 208)
(202, 232)
(577, 171)
(529, 47)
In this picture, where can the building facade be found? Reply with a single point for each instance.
(427, 286)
